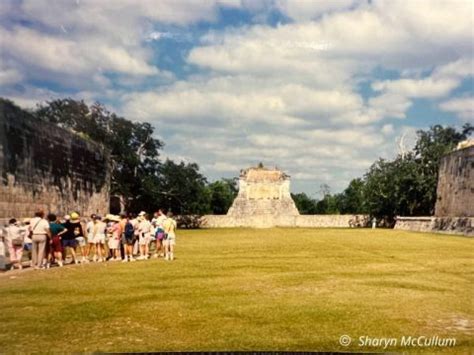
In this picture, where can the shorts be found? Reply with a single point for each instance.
(114, 243)
(160, 234)
(169, 241)
(90, 239)
(144, 240)
(56, 245)
(69, 243)
(128, 241)
(99, 239)
(81, 241)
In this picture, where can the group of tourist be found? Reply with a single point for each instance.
(49, 240)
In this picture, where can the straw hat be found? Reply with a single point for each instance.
(75, 217)
(113, 218)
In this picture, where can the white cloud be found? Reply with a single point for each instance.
(463, 107)
(303, 10)
(423, 88)
(287, 94)
(9, 76)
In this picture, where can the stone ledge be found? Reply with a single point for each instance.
(446, 225)
(268, 221)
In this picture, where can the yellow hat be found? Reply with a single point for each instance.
(74, 216)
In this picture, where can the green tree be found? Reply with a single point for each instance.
(329, 204)
(304, 203)
(352, 198)
(183, 189)
(223, 193)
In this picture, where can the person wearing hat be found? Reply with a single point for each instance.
(69, 239)
(79, 235)
(115, 230)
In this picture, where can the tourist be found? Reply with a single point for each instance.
(28, 243)
(123, 221)
(135, 222)
(2, 250)
(108, 236)
(99, 231)
(39, 229)
(57, 231)
(169, 226)
(115, 230)
(69, 239)
(144, 235)
(15, 239)
(159, 232)
(79, 235)
(90, 238)
(128, 238)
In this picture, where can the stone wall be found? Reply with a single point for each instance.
(268, 221)
(455, 193)
(449, 225)
(45, 167)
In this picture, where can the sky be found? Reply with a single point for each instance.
(320, 89)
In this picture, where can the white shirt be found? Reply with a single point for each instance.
(39, 226)
(160, 220)
(100, 228)
(144, 228)
(90, 229)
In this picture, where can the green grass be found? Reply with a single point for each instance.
(244, 289)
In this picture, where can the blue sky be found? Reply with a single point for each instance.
(319, 88)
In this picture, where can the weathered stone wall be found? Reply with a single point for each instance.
(267, 221)
(265, 193)
(449, 225)
(45, 167)
(455, 193)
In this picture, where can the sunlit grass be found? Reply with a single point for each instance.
(244, 289)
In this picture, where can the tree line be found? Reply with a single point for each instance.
(403, 186)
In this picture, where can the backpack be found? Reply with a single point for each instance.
(17, 242)
(129, 231)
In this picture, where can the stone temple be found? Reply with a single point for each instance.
(263, 192)
(264, 201)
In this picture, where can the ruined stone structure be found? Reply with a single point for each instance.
(263, 192)
(264, 200)
(455, 193)
(45, 167)
(454, 211)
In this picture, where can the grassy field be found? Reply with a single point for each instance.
(244, 289)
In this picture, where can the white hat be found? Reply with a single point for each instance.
(142, 213)
(114, 218)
